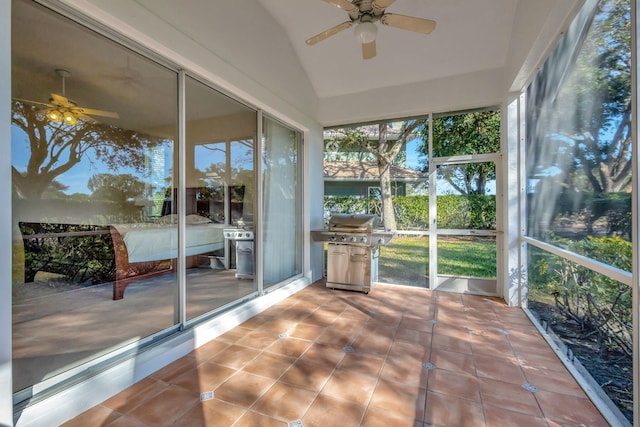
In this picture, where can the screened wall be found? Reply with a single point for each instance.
(451, 244)
(579, 188)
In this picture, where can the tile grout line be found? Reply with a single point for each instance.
(484, 410)
(239, 369)
(378, 377)
(524, 374)
(365, 325)
(314, 341)
(280, 337)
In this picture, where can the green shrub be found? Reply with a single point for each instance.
(597, 303)
(412, 212)
(589, 207)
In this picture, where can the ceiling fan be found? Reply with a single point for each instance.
(61, 109)
(363, 14)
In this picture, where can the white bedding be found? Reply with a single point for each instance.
(152, 242)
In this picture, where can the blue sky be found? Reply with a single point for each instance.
(413, 155)
(76, 179)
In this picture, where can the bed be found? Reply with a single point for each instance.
(133, 251)
(146, 249)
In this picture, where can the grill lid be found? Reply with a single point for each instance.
(352, 222)
(353, 229)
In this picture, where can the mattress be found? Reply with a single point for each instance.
(153, 242)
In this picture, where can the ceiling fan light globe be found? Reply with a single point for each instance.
(54, 116)
(366, 32)
(70, 119)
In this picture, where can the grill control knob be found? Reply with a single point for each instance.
(333, 238)
(354, 239)
(363, 240)
(343, 238)
(381, 241)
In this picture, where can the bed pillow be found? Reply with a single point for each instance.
(197, 219)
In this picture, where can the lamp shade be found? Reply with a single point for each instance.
(69, 118)
(366, 32)
(54, 116)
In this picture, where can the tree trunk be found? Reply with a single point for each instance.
(384, 168)
(385, 153)
(388, 212)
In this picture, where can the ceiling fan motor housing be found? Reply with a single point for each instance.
(367, 11)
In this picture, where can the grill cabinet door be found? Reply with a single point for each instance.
(360, 266)
(337, 263)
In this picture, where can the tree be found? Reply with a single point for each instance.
(55, 148)
(469, 133)
(118, 188)
(587, 126)
(375, 140)
(603, 78)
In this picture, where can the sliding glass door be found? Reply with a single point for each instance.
(94, 140)
(219, 199)
(282, 203)
(133, 219)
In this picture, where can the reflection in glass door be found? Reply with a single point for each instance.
(281, 204)
(464, 237)
(88, 193)
(219, 200)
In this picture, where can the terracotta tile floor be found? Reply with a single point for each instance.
(396, 357)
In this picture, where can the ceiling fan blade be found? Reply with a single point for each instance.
(411, 23)
(85, 118)
(344, 5)
(34, 102)
(61, 101)
(369, 50)
(328, 33)
(380, 5)
(79, 110)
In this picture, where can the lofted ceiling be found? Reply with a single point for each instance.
(470, 36)
(475, 55)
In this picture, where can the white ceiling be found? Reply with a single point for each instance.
(470, 36)
(479, 51)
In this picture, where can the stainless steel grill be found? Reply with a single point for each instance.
(353, 250)
(243, 241)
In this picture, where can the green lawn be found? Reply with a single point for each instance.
(406, 259)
